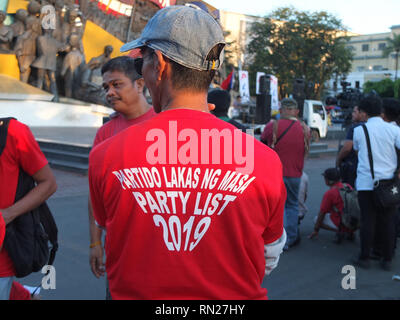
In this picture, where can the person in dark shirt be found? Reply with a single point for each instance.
(222, 100)
(346, 159)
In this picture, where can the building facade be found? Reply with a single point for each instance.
(369, 64)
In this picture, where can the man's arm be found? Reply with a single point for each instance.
(344, 152)
(317, 225)
(46, 186)
(96, 247)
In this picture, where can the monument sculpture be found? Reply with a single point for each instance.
(25, 48)
(6, 34)
(47, 48)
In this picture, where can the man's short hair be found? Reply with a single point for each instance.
(123, 64)
(222, 101)
(289, 103)
(391, 108)
(371, 105)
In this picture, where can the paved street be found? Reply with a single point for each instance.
(310, 271)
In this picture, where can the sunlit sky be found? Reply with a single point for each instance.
(359, 16)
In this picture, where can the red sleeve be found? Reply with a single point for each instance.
(95, 188)
(27, 150)
(2, 229)
(326, 203)
(18, 292)
(276, 204)
(99, 136)
(266, 135)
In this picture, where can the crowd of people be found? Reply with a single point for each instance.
(192, 206)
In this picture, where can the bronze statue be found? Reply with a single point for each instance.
(25, 48)
(90, 87)
(72, 61)
(6, 34)
(46, 63)
(18, 26)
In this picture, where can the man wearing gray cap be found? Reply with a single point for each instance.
(187, 200)
(289, 137)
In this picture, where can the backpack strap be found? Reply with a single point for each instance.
(4, 122)
(275, 132)
(371, 160)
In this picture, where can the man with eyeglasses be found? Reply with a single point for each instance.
(190, 203)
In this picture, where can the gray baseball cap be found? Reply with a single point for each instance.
(183, 34)
(289, 103)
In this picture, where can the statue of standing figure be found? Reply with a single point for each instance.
(6, 34)
(46, 62)
(25, 48)
(70, 67)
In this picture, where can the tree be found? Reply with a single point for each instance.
(393, 46)
(292, 44)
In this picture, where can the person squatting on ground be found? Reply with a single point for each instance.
(21, 152)
(331, 209)
(290, 138)
(123, 88)
(376, 220)
(181, 222)
(346, 159)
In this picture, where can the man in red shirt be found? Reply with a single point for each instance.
(186, 217)
(21, 151)
(331, 209)
(124, 93)
(289, 137)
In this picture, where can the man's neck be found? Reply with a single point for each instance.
(138, 110)
(184, 99)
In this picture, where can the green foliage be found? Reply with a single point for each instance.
(386, 88)
(393, 46)
(396, 89)
(305, 45)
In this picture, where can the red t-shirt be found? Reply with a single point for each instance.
(117, 123)
(178, 227)
(2, 229)
(332, 199)
(290, 148)
(21, 150)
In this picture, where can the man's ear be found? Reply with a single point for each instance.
(161, 64)
(140, 85)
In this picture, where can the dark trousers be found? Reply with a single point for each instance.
(378, 222)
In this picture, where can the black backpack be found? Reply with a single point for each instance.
(27, 237)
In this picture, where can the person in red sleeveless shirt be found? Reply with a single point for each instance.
(186, 217)
(21, 151)
(290, 138)
(124, 89)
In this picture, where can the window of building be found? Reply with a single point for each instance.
(382, 46)
(377, 68)
(360, 69)
(365, 47)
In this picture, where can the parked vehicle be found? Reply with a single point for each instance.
(316, 117)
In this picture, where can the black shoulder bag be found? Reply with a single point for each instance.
(387, 192)
(27, 237)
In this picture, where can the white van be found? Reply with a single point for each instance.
(316, 117)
